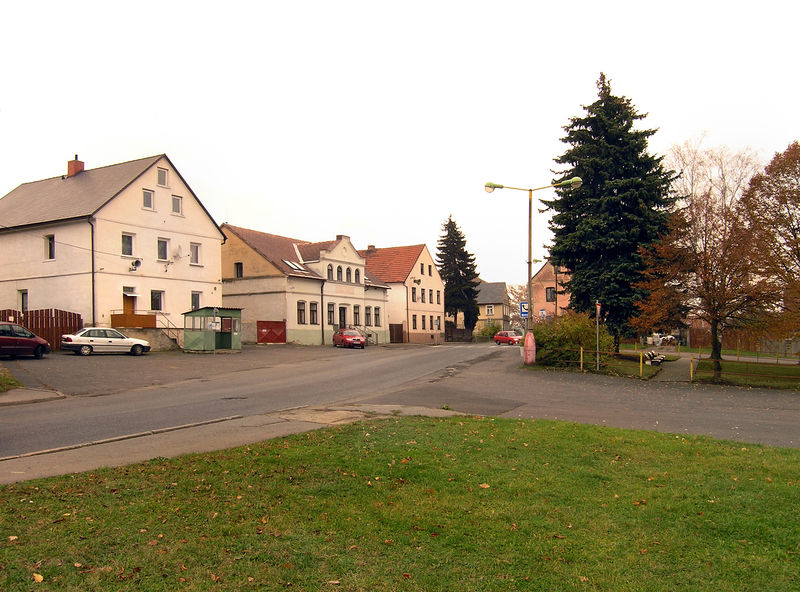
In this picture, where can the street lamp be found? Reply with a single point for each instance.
(529, 350)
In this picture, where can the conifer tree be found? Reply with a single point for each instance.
(459, 274)
(622, 205)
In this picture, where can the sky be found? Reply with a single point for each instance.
(379, 120)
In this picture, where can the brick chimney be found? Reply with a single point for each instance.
(74, 167)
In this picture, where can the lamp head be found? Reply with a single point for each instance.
(489, 187)
(574, 183)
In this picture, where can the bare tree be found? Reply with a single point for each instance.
(710, 256)
(516, 293)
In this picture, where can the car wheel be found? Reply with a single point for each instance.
(85, 350)
(137, 350)
(38, 353)
(362, 346)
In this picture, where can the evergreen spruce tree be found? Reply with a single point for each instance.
(622, 205)
(459, 274)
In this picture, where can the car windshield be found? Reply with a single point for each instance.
(352, 333)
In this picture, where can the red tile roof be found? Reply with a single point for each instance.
(392, 264)
(275, 249)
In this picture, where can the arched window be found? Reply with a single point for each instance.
(358, 276)
(330, 271)
(349, 275)
(339, 273)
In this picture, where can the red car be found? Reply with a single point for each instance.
(509, 337)
(348, 338)
(16, 340)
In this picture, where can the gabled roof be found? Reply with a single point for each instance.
(282, 252)
(80, 196)
(392, 264)
(278, 250)
(491, 292)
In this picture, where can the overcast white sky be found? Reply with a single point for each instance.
(375, 119)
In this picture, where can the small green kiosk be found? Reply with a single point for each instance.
(212, 329)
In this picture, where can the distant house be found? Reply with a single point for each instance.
(128, 244)
(416, 298)
(549, 297)
(493, 306)
(295, 291)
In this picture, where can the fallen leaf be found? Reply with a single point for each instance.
(38, 578)
(559, 536)
(12, 538)
(484, 486)
(406, 575)
(333, 582)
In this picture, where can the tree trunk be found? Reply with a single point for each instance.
(716, 350)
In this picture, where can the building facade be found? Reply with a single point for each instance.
(124, 243)
(294, 291)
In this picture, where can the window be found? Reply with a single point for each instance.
(377, 315)
(196, 300)
(422, 269)
(358, 276)
(194, 253)
(301, 312)
(162, 177)
(313, 313)
(438, 297)
(430, 271)
(413, 321)
(356, 315)
(23, 301)
(423, 322)
(163, 244)
(330, 271)
(147, 199)
(339, 273)
(550, 294)
(331, 312)
(349, 275)
(430, 296)
(177, 204)
(431, 325)
(422, 294)
(438, 322)
(413, 294)
(238, 269)
(368, 316)
(489, 310)
(156, 300)
(127, 244)
(50, 246)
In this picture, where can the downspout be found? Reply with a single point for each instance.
(408, 318)
(322, 312)
(94, 323)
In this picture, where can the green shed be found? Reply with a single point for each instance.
(212, 329)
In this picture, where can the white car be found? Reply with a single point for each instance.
(102, 340)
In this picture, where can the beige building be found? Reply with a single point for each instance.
(416, 298)
(128, 244)
(294, 291)
(493, 306)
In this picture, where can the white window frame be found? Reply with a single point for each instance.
(165, 173)
(49, 247)
(177, 199)
(490, 310)
(161, 299)
(152, 194)
(194, 254)
(199, 296)
(133, 244)
(159, 242)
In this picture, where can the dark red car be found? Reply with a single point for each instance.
(348, 338)
(16, 340)
(509, 337)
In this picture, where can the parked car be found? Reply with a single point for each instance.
(100, 340)
(16, 340)
(348, 338)
(509, 337)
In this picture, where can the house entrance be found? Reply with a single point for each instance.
(342, 316)
(128, 304)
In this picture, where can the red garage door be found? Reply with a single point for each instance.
(271, 331)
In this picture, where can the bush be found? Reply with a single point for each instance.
(488, 331)
(558, 342)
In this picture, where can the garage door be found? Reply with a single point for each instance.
(271, 331)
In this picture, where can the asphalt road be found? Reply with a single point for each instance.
(111, 397)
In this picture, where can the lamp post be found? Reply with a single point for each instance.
(529, 349)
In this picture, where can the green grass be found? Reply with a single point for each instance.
(751, 374)
(7, 382)
(419, 504)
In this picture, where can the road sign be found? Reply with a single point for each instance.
(523, 310)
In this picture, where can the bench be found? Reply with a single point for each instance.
(653, 359)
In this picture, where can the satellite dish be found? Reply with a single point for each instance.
(177, 253)
(135, 264)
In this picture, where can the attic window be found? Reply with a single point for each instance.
(163, 177)
(293, 265)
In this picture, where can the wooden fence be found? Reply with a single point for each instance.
(48, 323)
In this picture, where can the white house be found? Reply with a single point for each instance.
(128, 244)
(300, 292)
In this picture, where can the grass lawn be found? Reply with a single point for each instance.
(751, 374)
(419, 504)
(7, 382)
